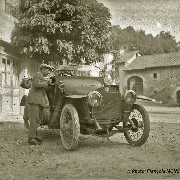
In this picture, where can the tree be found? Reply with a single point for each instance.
(168, 42)
(63, 29)
(164, 42)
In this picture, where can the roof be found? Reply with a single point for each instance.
(5, 43)
(154, 61)
(10, 48)
(123, 58)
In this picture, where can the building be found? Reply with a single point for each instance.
(155, 76)
(9, 79)
(9, 62)
(123, 60)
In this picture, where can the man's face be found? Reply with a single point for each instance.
(45, 71)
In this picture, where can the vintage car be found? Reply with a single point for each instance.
(91, 106)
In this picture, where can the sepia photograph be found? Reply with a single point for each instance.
(89, 89)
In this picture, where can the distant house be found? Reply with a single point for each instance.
(156, 76)
(124, 59)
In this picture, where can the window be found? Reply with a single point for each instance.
(3, 71)
(155, 75)
(8, 78)
(10, 71)
(15, 73)
(3, 64)
(8, 65)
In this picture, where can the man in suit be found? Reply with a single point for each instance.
(26, 84)
(25, 115)
(37, 99)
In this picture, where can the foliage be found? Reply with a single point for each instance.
(57, 30)
(164, 42)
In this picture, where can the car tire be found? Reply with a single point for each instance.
(69, 127)
(146, 127)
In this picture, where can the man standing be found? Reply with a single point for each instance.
(26, 84)
(37, 99)
(25, 115)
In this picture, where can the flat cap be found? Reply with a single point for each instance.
(47, 66)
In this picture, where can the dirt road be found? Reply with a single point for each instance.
(95, 158)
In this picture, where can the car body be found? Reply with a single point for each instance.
(91, 106)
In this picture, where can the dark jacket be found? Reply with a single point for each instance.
(23, 100)
(37, 94)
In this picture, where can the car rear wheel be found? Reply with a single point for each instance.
(139, 135)
(69, 127)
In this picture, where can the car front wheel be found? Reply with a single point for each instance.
(69, 127)
(138, 136)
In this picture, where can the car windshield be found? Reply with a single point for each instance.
(84, 71)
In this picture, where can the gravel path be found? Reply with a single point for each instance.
(95, 158)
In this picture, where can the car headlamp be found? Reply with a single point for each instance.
(130, 97)
(94, 98)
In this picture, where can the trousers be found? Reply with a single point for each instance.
(26, 116)
(34, 118)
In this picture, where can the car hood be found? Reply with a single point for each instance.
(75, 85)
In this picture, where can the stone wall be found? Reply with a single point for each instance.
(120, 77)
(164, 80)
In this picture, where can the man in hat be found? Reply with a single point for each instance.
(37, 99)
(26, 84)
(25, 115)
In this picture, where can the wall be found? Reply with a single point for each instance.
(9, 80)
(120, 77)
(119, 66)
(168, 78)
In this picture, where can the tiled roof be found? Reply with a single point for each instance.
(126, 56)
(152, 61)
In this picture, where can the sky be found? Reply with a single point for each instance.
(152, 16)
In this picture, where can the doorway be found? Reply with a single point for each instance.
(135, 83)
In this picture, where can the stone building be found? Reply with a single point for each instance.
(123, 60)
(155, 76)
